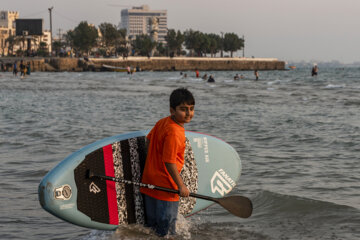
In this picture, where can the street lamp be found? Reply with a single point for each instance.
(243, 46)
(50, 9)
(222, 43)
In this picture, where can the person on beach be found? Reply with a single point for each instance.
(164, 161)
(256, 73)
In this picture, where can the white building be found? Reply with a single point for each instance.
(138, 20)
(7, 28)
(46, 38)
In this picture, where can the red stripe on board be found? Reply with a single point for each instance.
(110, 185)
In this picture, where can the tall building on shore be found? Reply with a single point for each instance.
(140, 20)
(7, 28)
(25, 42)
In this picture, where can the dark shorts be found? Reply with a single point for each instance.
(161, 215)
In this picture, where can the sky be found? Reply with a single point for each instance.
(290, 30)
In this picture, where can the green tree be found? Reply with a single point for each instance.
(83, 37)
(121, 44)
(190, 40)
(43, 49)
(214, 44)
(174, 41)
(232, 43)
(203, 45)
(197, 42)
(57, 45)
(68, 39)
(143, 45)
(11, 42)
(162, 50)
(110, 36)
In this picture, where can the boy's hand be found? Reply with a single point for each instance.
(184, 191)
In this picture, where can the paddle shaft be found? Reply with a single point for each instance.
(237, 205)
(151, 186)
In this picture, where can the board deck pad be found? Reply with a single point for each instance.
(117, 203)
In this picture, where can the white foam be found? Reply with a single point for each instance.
(183, 227)
(335, 86)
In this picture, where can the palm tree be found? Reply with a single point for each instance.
(11, 41)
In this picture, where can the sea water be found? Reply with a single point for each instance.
(298, 137)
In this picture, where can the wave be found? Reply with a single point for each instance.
(268, 203)
(330, 86)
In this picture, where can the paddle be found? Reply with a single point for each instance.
(237, 205)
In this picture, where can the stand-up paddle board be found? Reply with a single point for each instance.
(212, 167)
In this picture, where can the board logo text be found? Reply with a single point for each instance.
(203, 143)
(221, 182)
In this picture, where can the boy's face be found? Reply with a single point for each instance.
(183, 113)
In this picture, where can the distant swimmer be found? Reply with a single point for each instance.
(211, 79)
(236, 77)
(256, 73)
(197, 73)
(204, 77)
(314, 70)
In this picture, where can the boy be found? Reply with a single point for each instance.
(164, 162)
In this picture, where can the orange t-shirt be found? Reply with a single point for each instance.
(167, 145)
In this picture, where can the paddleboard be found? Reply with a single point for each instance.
(212, 167)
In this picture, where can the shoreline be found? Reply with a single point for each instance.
(57, 64)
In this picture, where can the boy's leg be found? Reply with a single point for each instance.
(150, 211)
(161, 215)
(166, 214)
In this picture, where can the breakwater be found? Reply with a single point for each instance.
(148, 64)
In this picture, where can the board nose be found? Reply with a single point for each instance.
(41, 195)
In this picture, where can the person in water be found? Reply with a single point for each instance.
(15, 70)
(211, 79)
(256, 73)
(164, 161)
(22, 69)
(314, 70)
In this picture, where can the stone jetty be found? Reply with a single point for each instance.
(55, 64)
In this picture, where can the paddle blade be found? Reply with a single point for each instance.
(237, 205)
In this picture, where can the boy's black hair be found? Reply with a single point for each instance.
(179, 96)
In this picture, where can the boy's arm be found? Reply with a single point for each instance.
(171, 168)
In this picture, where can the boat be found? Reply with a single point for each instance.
(110, 68)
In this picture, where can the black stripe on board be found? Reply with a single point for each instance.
(142, 153)
(129, 191)
(92, 194)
